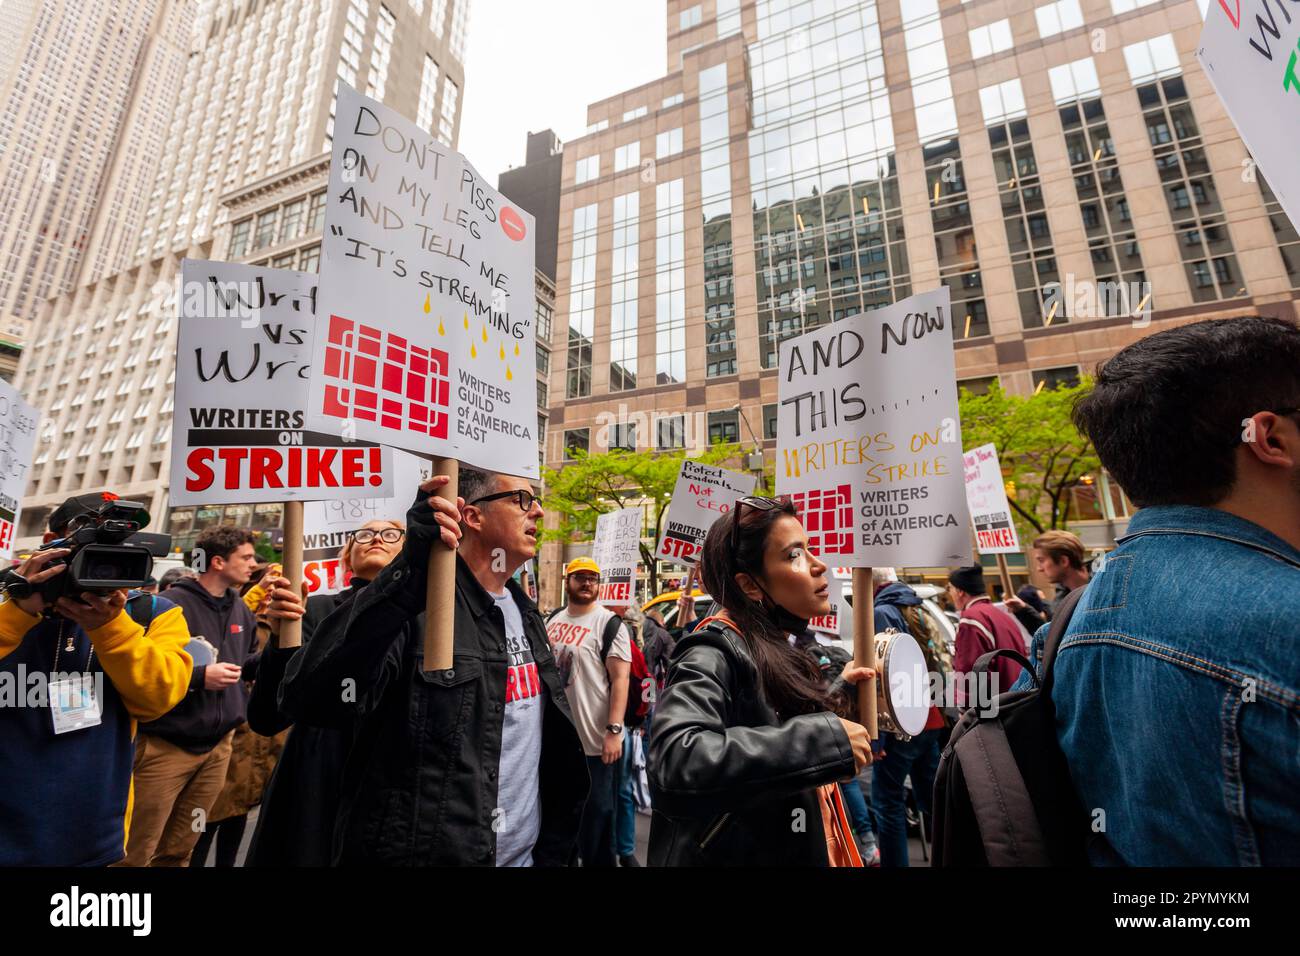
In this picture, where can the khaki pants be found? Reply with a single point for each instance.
(170, 785)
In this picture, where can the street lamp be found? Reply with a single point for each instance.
(754, 461)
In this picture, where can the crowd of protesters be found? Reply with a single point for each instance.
(1176, 703)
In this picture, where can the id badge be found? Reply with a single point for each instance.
(74, 705)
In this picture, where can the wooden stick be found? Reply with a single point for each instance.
(291, 631)
(1005, 573)
(864, 647)
(440, 594)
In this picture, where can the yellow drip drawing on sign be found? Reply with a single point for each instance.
(473, 352)
(516, 349)
(466, 321)
(426, 304)
(441, 329)
(503, 353)
(509, 375)
(485, 338)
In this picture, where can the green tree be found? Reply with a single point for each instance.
(591, 485)
(1043, 456)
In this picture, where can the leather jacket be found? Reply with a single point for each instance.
(731, 783)
(420, 786)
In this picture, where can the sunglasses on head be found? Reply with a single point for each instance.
(757, 502)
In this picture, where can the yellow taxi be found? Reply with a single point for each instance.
(666, 604)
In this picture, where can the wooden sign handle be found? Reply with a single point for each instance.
(440, 593)
(864, 647)
(291, 631)
(1005, 574)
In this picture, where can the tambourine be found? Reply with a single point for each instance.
(902, 684)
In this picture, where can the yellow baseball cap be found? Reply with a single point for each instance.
(581, 564)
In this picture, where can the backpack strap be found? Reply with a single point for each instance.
(550, 617)
(1052, 643)
(142, 612)
(1003, 809)
(985, 661)
(607, 638)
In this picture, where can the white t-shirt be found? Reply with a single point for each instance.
(575, 641)
(518, 819)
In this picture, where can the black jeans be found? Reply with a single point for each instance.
(229, 833)
(596, 833)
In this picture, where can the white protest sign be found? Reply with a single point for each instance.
(986, 496)
(1252, 57)
(426, 297)
(870, 437)
(243, 354)
(616, 551)
(326, 524)
(834, 623)
(702, 495)
(17, 442)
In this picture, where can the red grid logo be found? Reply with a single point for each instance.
(828, 518)
(384, 378)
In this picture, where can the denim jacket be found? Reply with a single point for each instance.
(1177, 693)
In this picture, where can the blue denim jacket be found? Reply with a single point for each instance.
(1178, 694)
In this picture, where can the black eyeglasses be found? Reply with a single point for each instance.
(754, 501)
(386, 535)
(523, 497)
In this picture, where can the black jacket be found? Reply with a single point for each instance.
(420, 786)
(731, 784)
(295, 826)
(203, 717)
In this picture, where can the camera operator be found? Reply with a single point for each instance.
(66, 798)
(182, 757)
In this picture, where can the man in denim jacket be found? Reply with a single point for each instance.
(1177, 688)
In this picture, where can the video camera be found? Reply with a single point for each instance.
(100, 562)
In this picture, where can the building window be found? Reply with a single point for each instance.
(1054, 18)
(623, 318)
(690, 17)
(668, 143)
(239, 238)
(976, 386)
(627, 157)
(670, 283)
(428, 94)
(1049, 378)
(576, 440)
(623, 436)
(586, 169)
(582, 302)
(291, 220)
(724, 427)
(992, 38)
(671, 431)
(769, 420)
(316, 213)
(309, 259)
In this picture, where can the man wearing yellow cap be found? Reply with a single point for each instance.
(593, 652)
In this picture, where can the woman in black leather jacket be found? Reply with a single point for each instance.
(744, 733)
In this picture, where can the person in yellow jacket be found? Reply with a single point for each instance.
(75, 677)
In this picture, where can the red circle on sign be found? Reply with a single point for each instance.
(512, 224)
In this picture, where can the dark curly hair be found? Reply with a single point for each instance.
(222, 542)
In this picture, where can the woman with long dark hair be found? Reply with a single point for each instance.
(747, 748)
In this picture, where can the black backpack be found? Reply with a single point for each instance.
(1002, 794)
(634, 711)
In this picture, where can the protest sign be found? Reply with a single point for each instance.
(244, 349)
(328, 523)
(986, 496)
(870, 438)
(1252, 57)
(17, 442)
(838, 623)
(427, 299)
(617, 550)
(702, 495)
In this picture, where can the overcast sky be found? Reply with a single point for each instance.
(533, 64)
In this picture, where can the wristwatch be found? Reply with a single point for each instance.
(614, 729)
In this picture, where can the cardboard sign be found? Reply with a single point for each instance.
(1250, 50)
(243, 356)
(326, 524)
(702, 495)
(870, 437)
(17, 443)
(617, 551)
(986, 496)
(426, 298)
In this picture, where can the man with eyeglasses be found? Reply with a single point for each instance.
(594, 652)
(479, 764)
(1177, 684)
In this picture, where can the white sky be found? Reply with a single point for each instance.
(533, 64)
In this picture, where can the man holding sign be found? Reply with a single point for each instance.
(493, 733)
